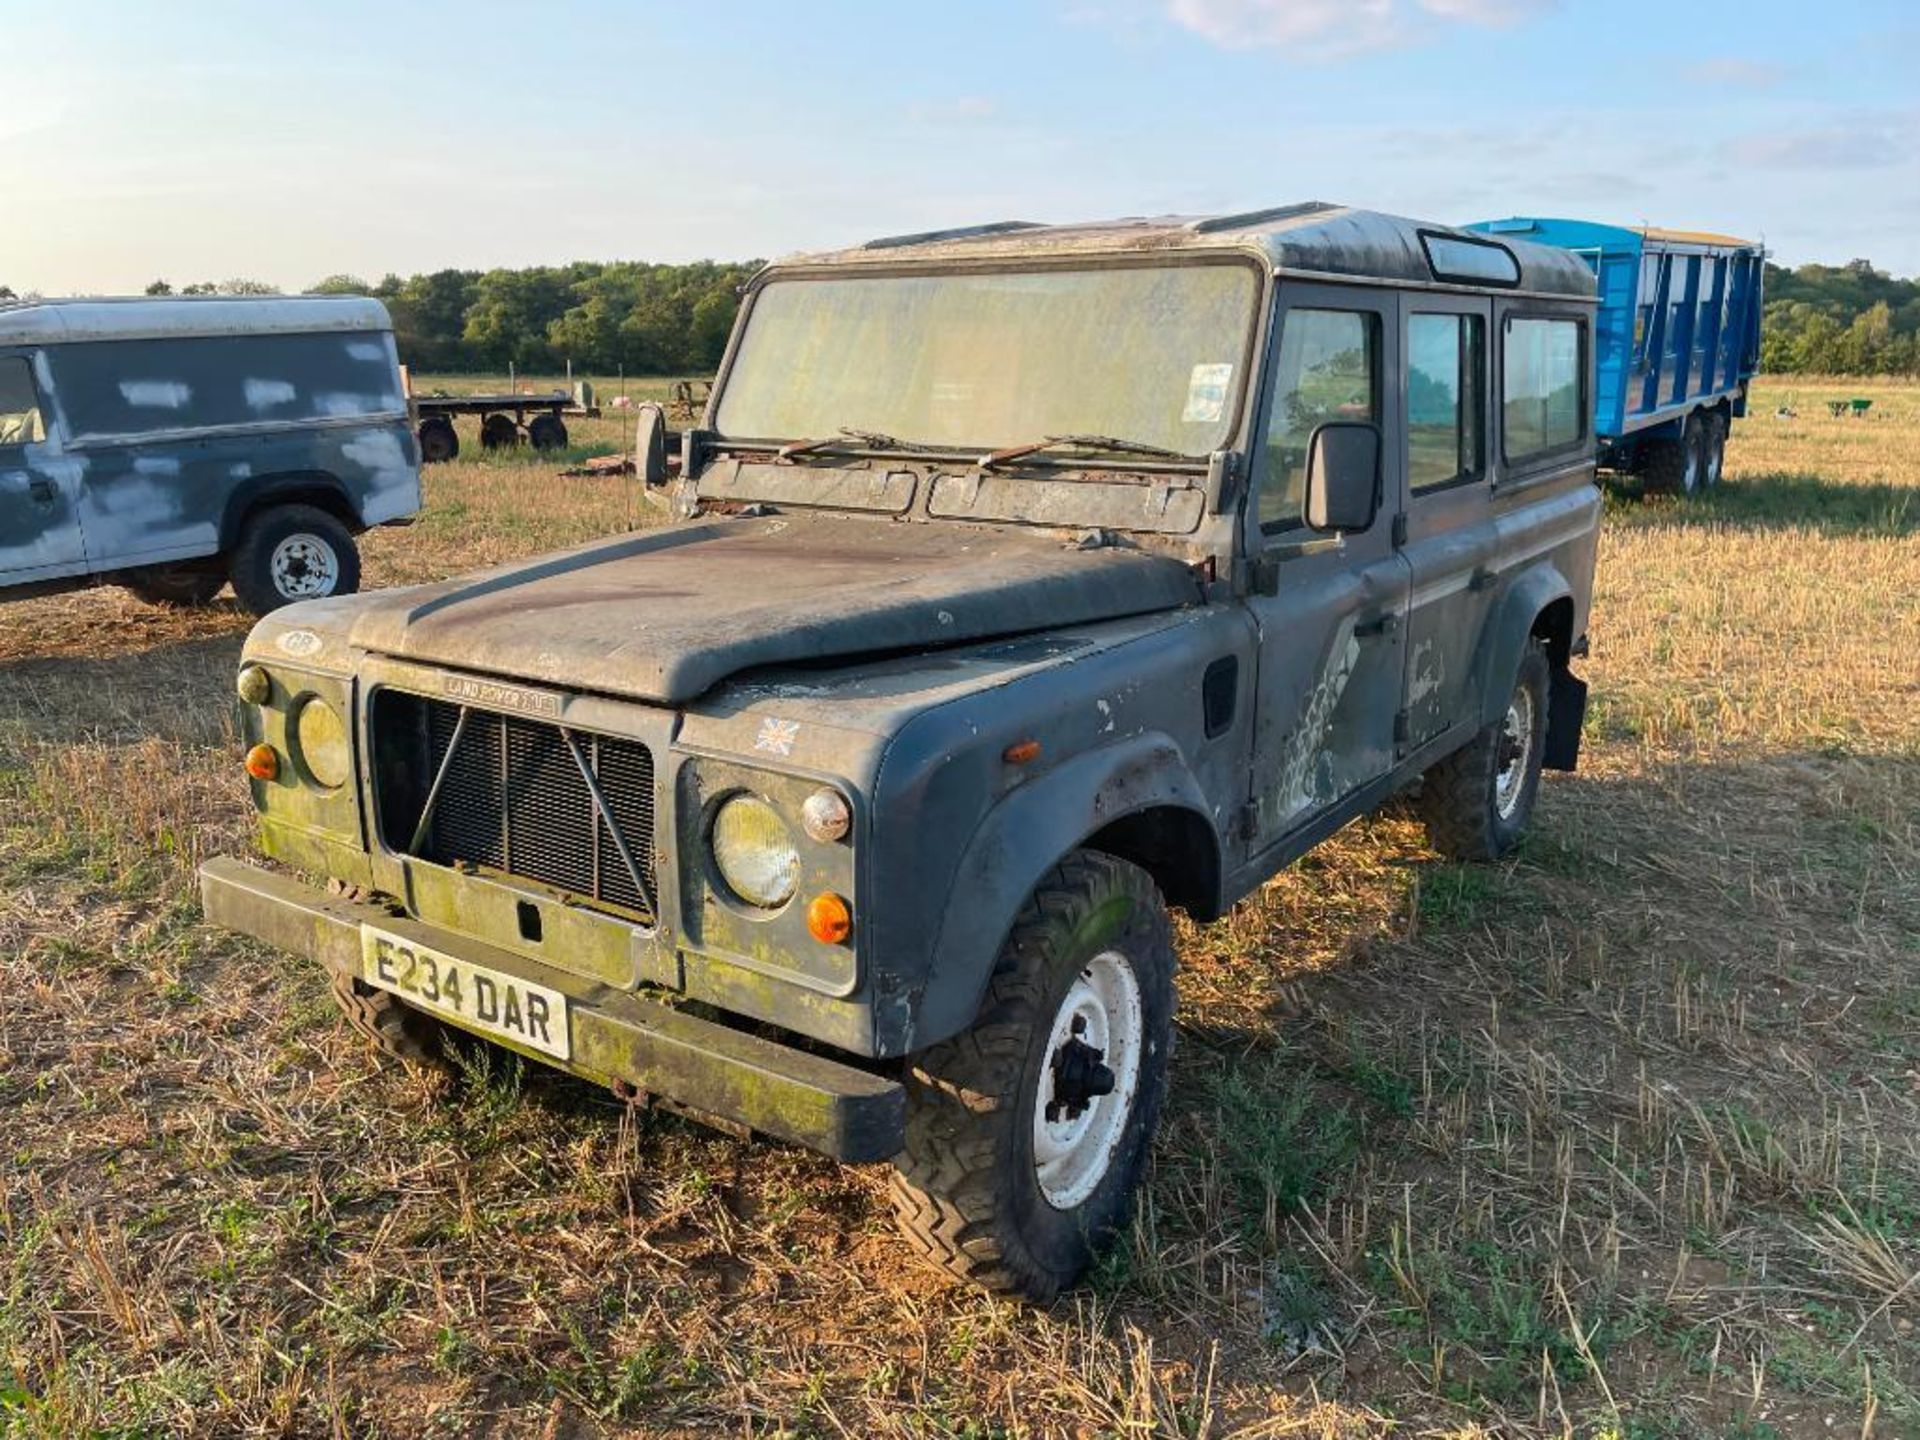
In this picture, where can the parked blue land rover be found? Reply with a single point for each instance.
(173, 445)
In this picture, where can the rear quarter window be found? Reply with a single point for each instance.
(1543, 381)
(132, 387)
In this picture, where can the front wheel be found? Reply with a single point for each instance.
(293, 552)
(1477, 801)
(1028, 1134)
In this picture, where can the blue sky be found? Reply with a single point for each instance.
(209, 140)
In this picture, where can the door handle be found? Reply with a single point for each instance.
(1384, 624)
(1483, 579)
(42, 491)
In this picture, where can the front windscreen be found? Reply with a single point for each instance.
(1150, 354)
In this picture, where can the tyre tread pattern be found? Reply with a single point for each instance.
(947, 1187)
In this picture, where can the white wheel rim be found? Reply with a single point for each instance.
(304, 566)
(1072, 1152)
(1690, 478)
(1515, 755)
(1715, 462)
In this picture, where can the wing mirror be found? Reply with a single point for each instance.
(650, 445)
(1343, 476)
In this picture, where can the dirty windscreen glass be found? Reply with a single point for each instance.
(1151, 354)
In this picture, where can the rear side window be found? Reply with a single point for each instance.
(20, 422)
(1445, 360)
(1543, 387)
(131, 387)
(1329, 369)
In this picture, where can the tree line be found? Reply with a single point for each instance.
(644, 319)
(1848, 319)
(1840, 320)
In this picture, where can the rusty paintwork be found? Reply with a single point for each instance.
(163, 424)
(1180, 687)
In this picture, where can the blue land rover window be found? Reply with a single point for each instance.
(1543, 387)
(117, 388)
(19, 404)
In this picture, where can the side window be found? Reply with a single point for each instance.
(19, 404)
(1543, 387)
(1329, 369)
(1445, 362)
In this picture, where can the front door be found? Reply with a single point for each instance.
(1452, 541)
(1330, 609)
(39, 521)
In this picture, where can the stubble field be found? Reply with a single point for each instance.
(1621, 1138)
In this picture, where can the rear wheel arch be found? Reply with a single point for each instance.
(304, 487)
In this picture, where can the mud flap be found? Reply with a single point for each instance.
(1566, 713)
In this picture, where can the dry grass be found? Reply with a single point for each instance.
(1621, 1139)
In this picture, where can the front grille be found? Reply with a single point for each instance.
(514, 799)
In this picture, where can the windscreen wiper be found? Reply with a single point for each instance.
(1112, 444)
(872, 439)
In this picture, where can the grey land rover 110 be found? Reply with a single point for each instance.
(171, 445)
(1027, 580)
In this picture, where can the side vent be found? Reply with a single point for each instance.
(1220, 695)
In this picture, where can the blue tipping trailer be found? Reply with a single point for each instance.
(1676, 341)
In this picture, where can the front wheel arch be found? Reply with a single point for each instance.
(1112, 801)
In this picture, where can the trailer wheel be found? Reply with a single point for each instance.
(498, 432)
(1713, 440)
(547, 432)
(439, 441)
(1673, 466)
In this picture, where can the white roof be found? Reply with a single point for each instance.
(54, 322)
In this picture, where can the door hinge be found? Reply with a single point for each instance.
(1247, 823)
(1399, 529)
(1403, 727)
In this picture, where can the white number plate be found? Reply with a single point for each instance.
(479, 998)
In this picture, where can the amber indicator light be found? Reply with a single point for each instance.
(1021, 751)
(828, 919)
(263, 763)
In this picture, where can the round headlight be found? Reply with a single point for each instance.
(320, 738)
(754, 852)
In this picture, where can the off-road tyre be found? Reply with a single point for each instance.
(254, 569)
(393, 1027)
(1460, 796)
(498, 432)
(966, 1191)
(177, 589)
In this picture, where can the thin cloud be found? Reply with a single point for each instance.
(1336, 27)
(1737, 72)
(1839, 147)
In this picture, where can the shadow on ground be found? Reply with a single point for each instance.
(1777, 502)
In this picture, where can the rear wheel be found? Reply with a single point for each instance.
(1027, 1135)
(293, 552)
(177, 588)
(1477, 801)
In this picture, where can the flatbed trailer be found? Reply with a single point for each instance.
(506, 420)
(1676, 341)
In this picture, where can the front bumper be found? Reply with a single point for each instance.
(618, 1037)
